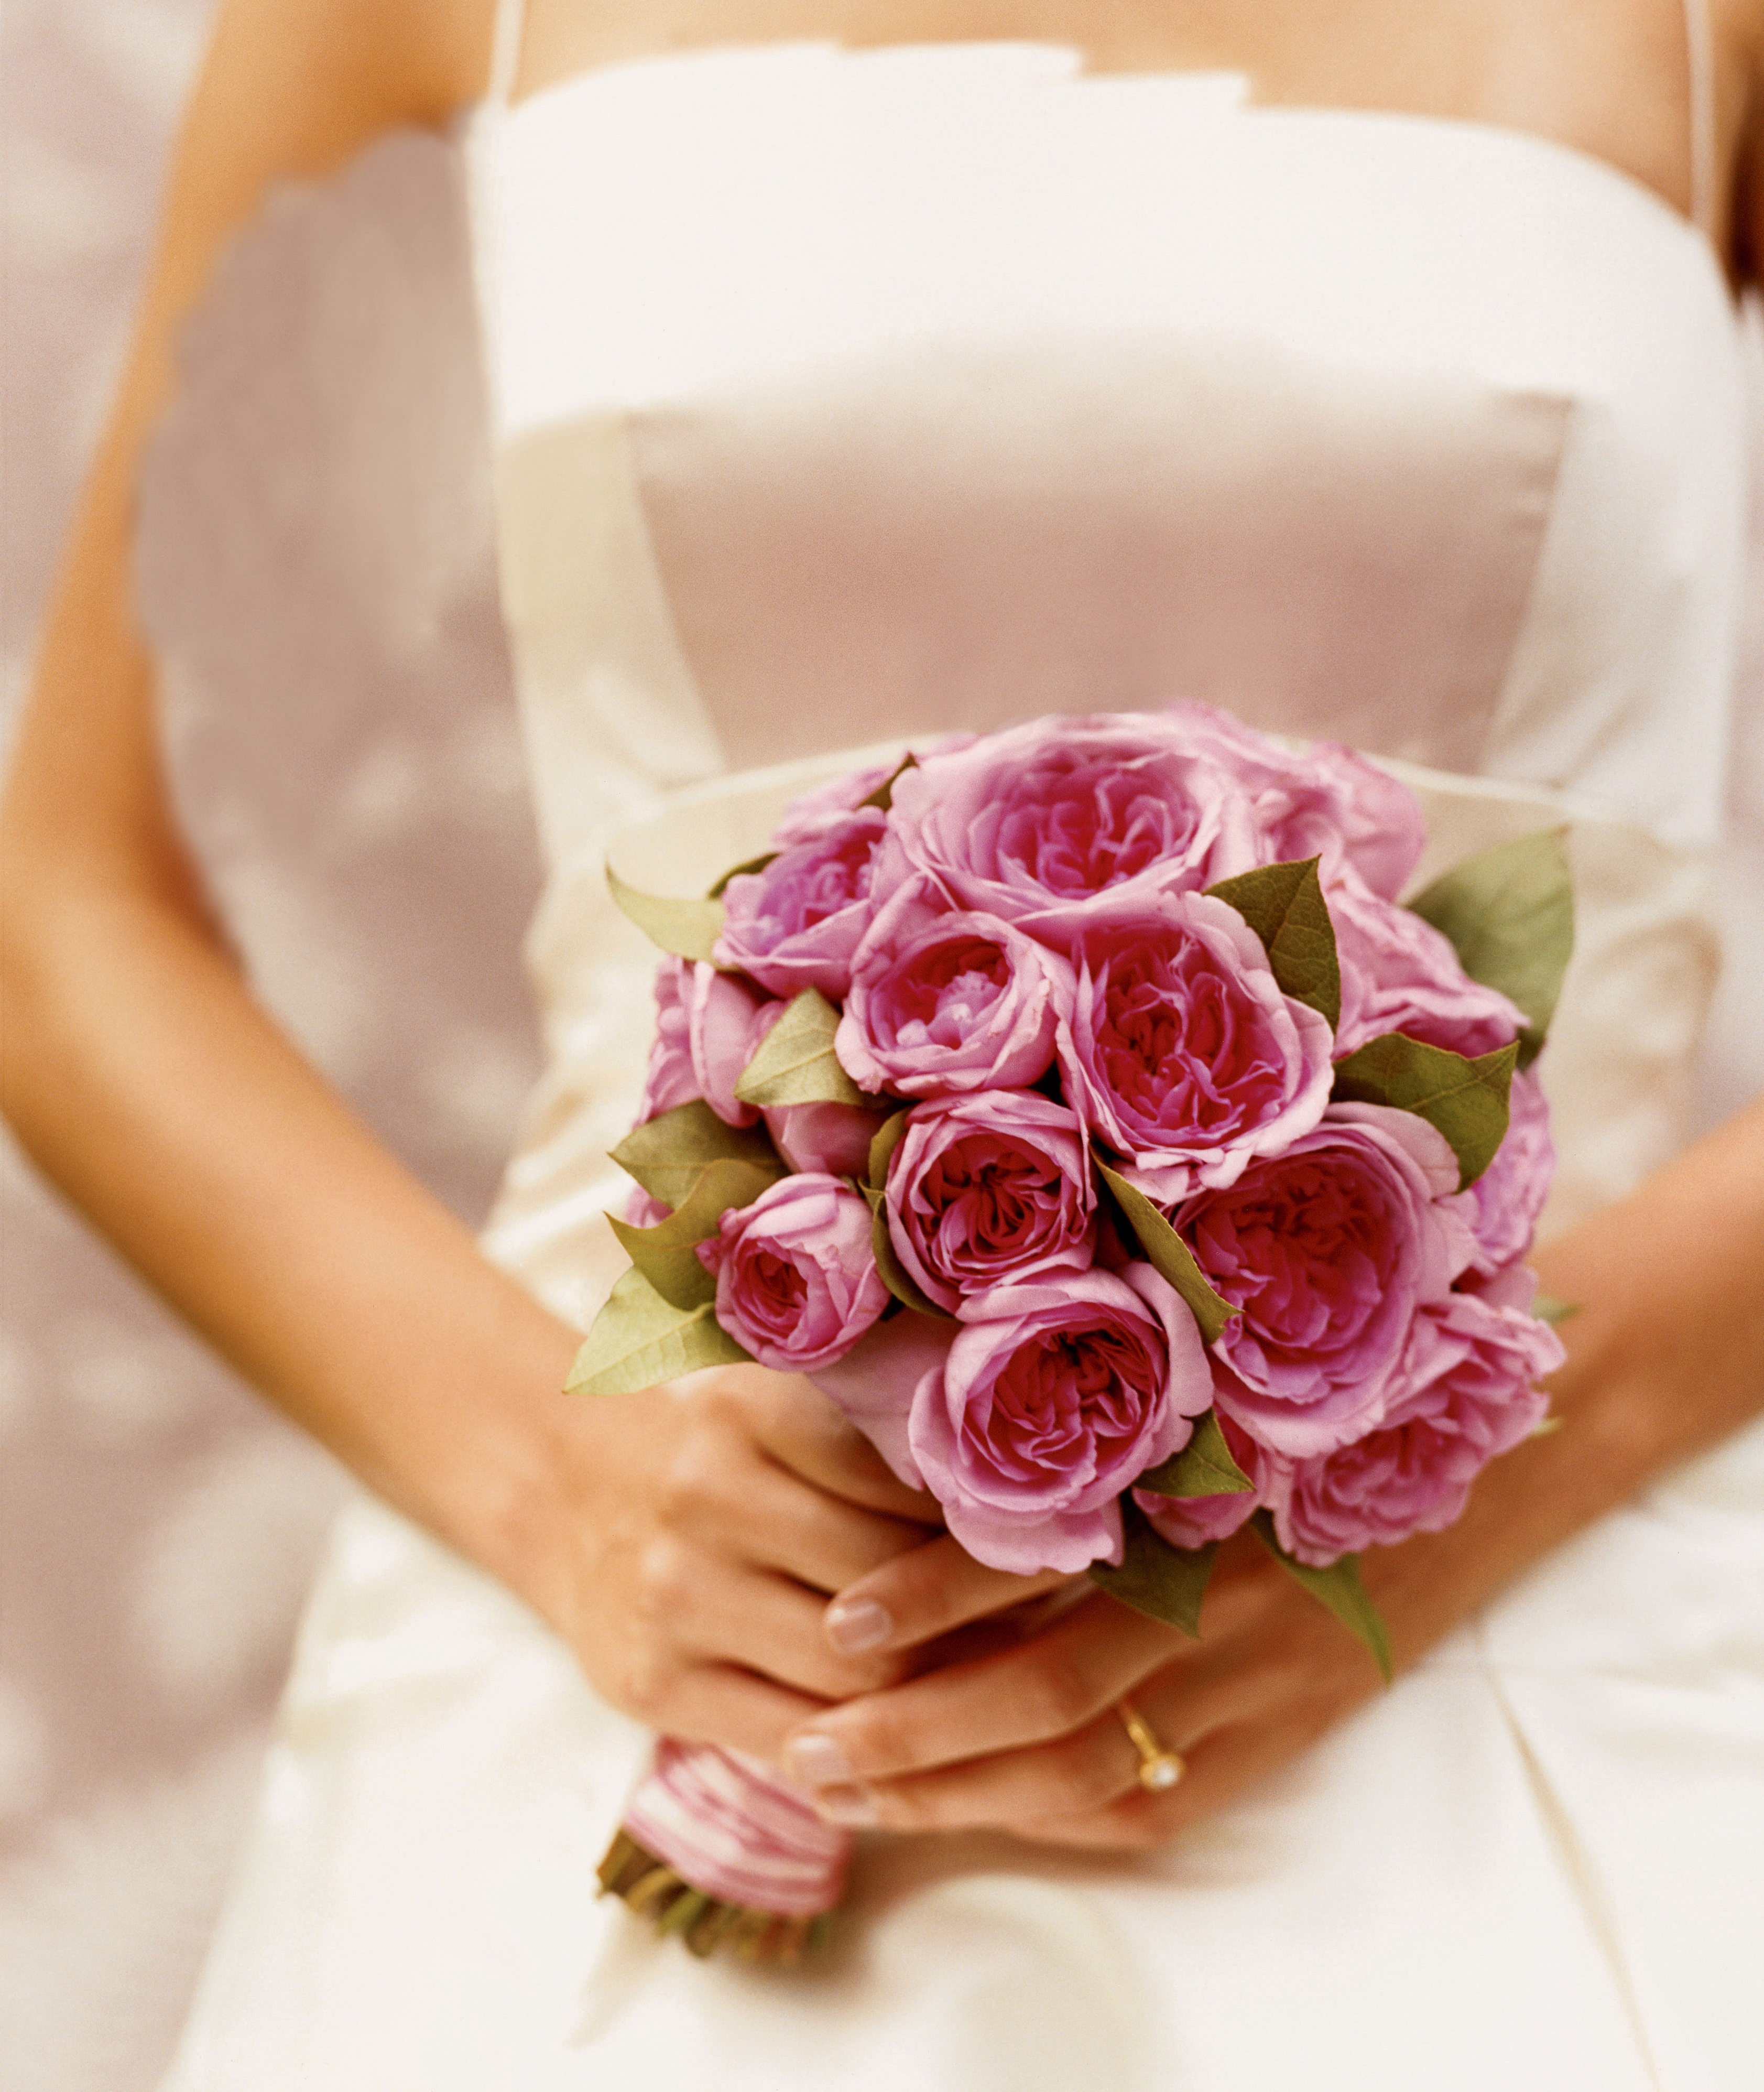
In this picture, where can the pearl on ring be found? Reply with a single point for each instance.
(1159, 1770)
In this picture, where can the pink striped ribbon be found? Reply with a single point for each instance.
(730, 1826)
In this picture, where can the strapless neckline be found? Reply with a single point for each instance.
(1627, 190)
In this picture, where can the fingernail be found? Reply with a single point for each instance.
(853, 1807)
(861, 1625)
(817, 1761)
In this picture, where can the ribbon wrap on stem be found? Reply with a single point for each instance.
(735, 1829)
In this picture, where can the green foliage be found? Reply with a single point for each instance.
(1339, 1587)
(668, 1155)
(687, 928)
(796, 1063)
(1166, 1582)
(639, 1339)
(1170, 1255)
(1284, 904)
(1509, 913)
(1203, 1467)
(666, 1255)
(1465, 1100)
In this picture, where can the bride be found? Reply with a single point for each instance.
(1370, 369)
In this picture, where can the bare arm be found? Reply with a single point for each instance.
(144, 1079)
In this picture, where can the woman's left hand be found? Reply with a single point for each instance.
(1024, 1734)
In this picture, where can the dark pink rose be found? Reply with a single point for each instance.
(832, 1139)
(1468, 1393)
(1503, 1205)
(874, 1383)
(1330, 1250)
(989, 1191)
(1398, 974)
(1324, 802)
(1183, 1054)
(795, 924)
(1029, 823)
(946, 1002)
(1197, 1521)
(796, 1281)
(1048, 1404)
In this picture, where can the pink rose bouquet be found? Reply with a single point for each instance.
(1082, 1108)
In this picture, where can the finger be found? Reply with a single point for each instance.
(720, 1703)
(923, 1592)
(1044, 1688)
(764, 1622)
(727, 1495)
(805, 1432)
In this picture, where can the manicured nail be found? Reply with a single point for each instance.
(853, 1807)
(817, 1761)
(861, 1625)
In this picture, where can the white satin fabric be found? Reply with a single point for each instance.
(843, 395)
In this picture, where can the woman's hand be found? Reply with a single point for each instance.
(698, 1528)
(1024, 1736)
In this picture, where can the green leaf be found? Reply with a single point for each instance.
(669, 1154)
(665, 1253)
(1509, 913)
(1547, 1308)
(882, 1149)
(883, 796)
(687, 928)
(1465, 1100)
(1155, 1578)
(1170, 1255)
(747, 866)
(639, 1339)
(895, 1274)
(1284, 904)
(1339, 1587)
(1204, 1468)
(796, 1063)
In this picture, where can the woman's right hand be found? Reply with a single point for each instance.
(701, 1525)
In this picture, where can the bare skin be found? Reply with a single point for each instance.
(685, 1541)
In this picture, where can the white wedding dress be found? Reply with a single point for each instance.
(850, 395)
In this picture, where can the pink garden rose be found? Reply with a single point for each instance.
(1503, 1205)
(796, 1279)
(1324, 802)
(946, 1002)
(811, 814)
(1030, 824)
(1468, 1392)
(993, 1190)
(1330, 1250)
(795, 924)
(1398, 974)
(1198, 1521)
(1049, 1403)
(1182, 1055)
(708, 1025)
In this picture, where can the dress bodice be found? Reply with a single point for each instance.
(849, 392)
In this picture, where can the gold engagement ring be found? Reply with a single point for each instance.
(1158, 1769)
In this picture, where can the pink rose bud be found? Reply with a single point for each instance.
(1330, 1250)
(989, 1191)
(1048, 1405)
(1183, 1054)
(795, 924)
(1029, 823)
(831, 1138)
(1468, 1393)
(670, 1080)
(943, 1003)
(796, 1279)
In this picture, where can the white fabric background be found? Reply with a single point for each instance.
(354, 788)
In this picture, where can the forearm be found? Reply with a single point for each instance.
(146, 1083)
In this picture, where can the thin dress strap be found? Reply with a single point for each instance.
(504, 53)
(1704, 182)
